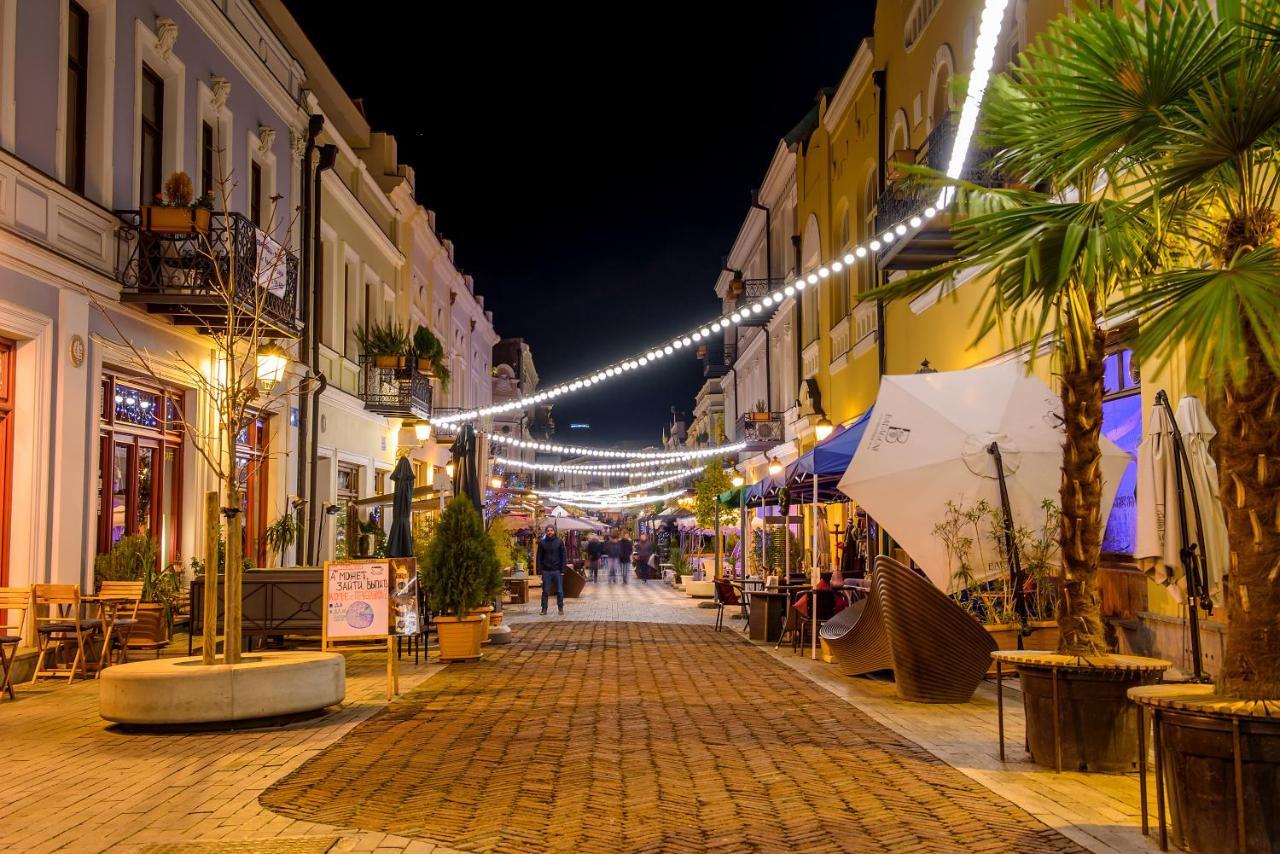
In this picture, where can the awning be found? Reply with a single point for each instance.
(828, 461)
(420, 494)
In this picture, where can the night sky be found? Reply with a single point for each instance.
(591, 173)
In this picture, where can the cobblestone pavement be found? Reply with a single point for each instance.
(637, 601)
(644, 737)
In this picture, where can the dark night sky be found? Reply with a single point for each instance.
(591, 172)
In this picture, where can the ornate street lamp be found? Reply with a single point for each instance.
(775, 467)
(448, 469)
(495, 482)
(823, 429)
(737, 480)
(272, 360)
(422, 429)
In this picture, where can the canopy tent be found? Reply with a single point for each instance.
(568, 523)
(828, 461)
(733, 497)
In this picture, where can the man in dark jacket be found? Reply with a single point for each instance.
(644, 556)
(624, 557)
(595, 550)
(552, 560)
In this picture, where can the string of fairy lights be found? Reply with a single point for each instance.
(619, 469)
(612, 453)
(989, 28)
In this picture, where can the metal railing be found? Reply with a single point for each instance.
(395, 390)
(903, 199)
(230, 256)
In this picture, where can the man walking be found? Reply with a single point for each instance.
(611, 556)
(624, 555)
(644, 554)
(595, 550)
(552, 559)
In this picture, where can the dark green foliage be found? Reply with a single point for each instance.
(460, 569)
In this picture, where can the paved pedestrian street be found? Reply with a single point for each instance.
(644, 737)
(628, 724)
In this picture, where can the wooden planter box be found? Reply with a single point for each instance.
(389, 361)
(151, 632)
(162, 220)
(459, 638)
(760, 416)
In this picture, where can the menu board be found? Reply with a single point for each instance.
(357, 599)
(405, 619)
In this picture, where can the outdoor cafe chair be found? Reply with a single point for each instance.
(825, 609)
(56, 609)
(726, 596)
(118, 603)
(14, 604)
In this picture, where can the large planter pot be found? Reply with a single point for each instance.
(574, 583)
(162, 220)
(1045, 634)
(1078, 714)
(485, 613)
(460, 637)
(1006, 637)
(151, 632)
(1197, 736)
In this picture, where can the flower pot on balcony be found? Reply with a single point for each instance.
(460, 637)
(424, 366)
(389, 361)
(166, 220)
(759, 416)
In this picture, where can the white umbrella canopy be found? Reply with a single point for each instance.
(568, 523)
(927, 445)
(1197, 432)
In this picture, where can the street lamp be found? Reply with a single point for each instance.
(495, 482)
(422, 429)
(448, 468)
(775, 467)
(823, 429)
(737, 480)
(272, 361)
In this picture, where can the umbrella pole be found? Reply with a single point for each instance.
(1190, 557)
(1010, 543)
(814, 576)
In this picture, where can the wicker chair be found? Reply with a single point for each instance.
(940, 652)
(857, 639)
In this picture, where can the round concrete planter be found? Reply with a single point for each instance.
(171, 691)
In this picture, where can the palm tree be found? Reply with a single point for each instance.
(1078, 119)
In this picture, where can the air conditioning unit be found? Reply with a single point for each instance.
(768, 431)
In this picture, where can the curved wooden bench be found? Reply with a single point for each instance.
(940, 653)
(857, 639)
(574, 583)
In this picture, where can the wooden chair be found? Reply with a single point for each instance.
(826, 609)
(61, 625)
(14, 604)
(128, 595)
(726, 597)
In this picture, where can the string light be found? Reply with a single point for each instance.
(616, 490)
(637, 501)
(620, 469)
(610, 453)
(991, 23)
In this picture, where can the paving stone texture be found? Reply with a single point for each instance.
(590, 736)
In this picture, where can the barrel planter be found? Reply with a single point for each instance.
(1078, 714)
(459, 638)
(1220, 759)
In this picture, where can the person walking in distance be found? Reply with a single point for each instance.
(643, 556)
(595, 550)
(611, 556)
(552, 559)
(624, 554)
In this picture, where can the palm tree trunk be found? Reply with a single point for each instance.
(1248, 416)
(1080, 535)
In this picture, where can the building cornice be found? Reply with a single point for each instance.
(855, 77)
(351, 205)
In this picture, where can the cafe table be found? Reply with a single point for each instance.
(768, 611)
(109, 612)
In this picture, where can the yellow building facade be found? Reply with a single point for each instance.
(895, 104)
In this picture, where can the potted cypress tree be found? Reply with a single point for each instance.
(458, 568)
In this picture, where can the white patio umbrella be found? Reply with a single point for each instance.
(928, 442)
(1197, 432)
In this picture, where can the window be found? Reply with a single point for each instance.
(1122, 424)
(870, 198)
(207, 174)
(251, 474)
(349, 323)
(348, 491)
(140, 466)
(809, 307)
(150, 169)
(840, 281)
(255, 193)
(7, 350)
(77, 125)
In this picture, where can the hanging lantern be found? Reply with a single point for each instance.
(422, 429)
(823, 429)
(495, 482)
(737, 480)
(272, 361)
(775, 467)
(448, 468)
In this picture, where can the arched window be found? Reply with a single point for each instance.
(940, 101)
(810, 257)
(840, 281)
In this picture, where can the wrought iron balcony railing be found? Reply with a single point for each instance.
(904, 198)
(394, 391)
(750, 291)
(221, 267)
(760, 428)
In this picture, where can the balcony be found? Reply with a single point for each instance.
(187, 275)
(397, 392)
(750, 291)
(760, 430)
(446, 433)
(905, 198)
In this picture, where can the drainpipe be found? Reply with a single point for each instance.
(328, 157)
(314, 126)
(795, 247)
(878, 79)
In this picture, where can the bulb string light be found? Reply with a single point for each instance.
(618, 469)
(610, 453)
(637, 501)
(614, 491)
(989, 28)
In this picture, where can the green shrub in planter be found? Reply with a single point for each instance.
(460, 569)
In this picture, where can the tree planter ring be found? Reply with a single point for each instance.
(1208, 750)
(1078, 716)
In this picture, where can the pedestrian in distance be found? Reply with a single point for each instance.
(611, 552)
(552, 561)
(643, 557)
(595, 550)
(624, 554)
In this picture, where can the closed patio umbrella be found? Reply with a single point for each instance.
(400, 539)
(929, 441)
(1197, 432)
(466, 466)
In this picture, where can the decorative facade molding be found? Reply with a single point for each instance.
(166, 35)
(220, 89)
(297, 143)
(266, 139)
